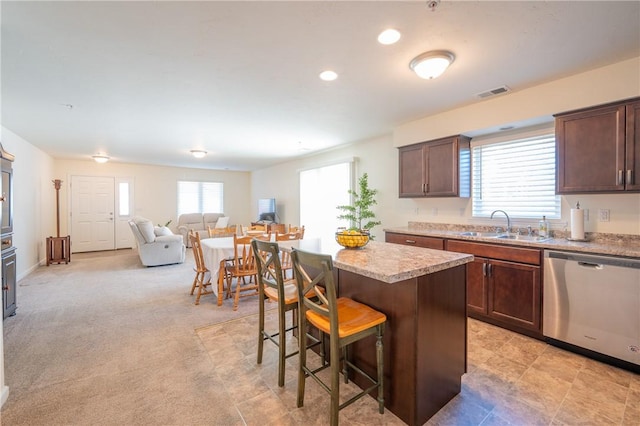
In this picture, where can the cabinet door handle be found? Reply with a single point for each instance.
(410, 241)
(484, 269)
(490, 270)
(629, 177)
(424, 188)
(620, 177)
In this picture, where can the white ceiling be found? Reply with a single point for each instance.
(150, 81)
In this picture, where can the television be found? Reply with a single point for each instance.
(267, 209)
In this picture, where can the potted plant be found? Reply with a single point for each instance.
(359, 213)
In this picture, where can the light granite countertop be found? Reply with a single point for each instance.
(385, 262)
(606, 244)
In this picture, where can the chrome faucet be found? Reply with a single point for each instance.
(508, 219)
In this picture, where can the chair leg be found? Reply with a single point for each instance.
(302, 358)
(282, 343)
(380, 362)
(236, 300)
(260, 327)
(221, 280)
(195, 281)
(200, 279)
(345, 366)
(335, 379)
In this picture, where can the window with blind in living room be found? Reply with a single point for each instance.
(515, 173)
(200, 197)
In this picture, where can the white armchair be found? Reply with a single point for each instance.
(157, 245)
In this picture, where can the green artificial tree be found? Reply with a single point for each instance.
(360, 209)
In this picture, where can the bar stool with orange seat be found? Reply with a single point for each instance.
(273, 287)
(344, 320)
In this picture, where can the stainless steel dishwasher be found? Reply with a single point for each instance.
(593, 302)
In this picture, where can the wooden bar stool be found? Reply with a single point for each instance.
(344, 320)
(272, 286)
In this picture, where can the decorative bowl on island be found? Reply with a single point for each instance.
(352, 239)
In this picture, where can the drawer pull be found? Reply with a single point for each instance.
(410, 241)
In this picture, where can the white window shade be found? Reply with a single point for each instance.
(200, 197)
(517, 176)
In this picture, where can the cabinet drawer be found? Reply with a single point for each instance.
(495, 251)
(415, 240)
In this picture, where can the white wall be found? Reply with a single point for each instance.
(155, 188)
(33, 198)
(379, 157)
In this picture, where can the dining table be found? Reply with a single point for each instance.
(216, 252)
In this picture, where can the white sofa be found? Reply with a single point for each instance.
(156, 245)
(200, 223)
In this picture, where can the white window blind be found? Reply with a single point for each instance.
(517, 176)
(200, 197)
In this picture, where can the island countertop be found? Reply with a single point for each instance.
(386, 262)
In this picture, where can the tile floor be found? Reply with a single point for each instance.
(512, 379)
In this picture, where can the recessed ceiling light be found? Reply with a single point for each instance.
(100, 158)
(198, 153)
(328, 75)
(389, 36)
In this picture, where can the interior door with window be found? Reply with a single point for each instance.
(92, 213)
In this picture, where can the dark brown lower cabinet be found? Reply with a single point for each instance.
(415, 240)
(504, 285)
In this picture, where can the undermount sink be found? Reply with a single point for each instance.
(534, 238)
(479, 234)
(503, 236)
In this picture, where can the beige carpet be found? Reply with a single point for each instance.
(104, 340)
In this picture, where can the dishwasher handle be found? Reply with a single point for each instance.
(591, 265)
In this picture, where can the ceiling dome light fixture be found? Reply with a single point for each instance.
(431, 64)
(389, 36)
(328, 75)
(198, 153)
(100, 158)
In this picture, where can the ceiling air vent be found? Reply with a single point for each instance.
(493, 92)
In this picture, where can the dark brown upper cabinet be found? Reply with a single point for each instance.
(598, 149)
(438, 168)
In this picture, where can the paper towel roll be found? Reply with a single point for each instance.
(577, 224)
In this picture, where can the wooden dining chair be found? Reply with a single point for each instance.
(273, 286)
(204, 287)
(297, 229)
(221, 232)
(344, 320)
(243, 267)
(285, 256)
(257, 228)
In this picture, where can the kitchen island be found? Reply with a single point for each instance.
(423, 294)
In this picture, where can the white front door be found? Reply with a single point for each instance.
(92, 213)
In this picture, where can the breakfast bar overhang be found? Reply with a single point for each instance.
(423, 294)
